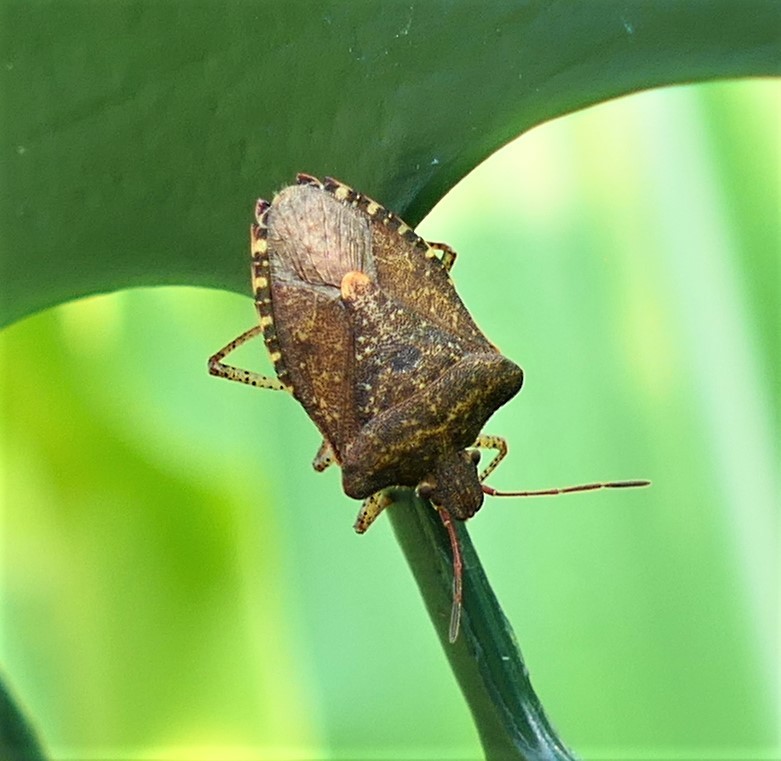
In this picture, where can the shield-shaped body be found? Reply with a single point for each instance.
(364, 326)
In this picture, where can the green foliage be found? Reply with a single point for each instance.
(134, 133)
(140, 492)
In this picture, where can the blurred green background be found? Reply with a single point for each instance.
(178, 583)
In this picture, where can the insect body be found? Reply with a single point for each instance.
(366, 330)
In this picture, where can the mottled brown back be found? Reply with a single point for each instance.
(313, 241)
(421, 284)
(350, 362)
(317, 343)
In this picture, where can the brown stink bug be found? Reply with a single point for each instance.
(365, 329)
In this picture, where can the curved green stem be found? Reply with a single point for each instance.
(486, 659)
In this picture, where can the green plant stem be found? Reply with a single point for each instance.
(486, 659)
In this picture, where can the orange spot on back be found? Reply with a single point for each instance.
(354, 284)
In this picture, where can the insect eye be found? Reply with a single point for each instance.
(425, 489)
(474, 455)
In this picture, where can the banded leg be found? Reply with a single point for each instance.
(324, 458)
(448, 254)
(370, 510)
(496, 443)
(220, 369)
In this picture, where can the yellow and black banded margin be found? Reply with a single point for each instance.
(261, 288)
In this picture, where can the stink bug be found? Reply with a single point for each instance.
(365, 328)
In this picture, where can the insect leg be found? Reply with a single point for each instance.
(491, 442)
(370, 510)
(218, 368)
(324, 458)
(448, 254)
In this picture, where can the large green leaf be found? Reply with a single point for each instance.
(136, 135)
